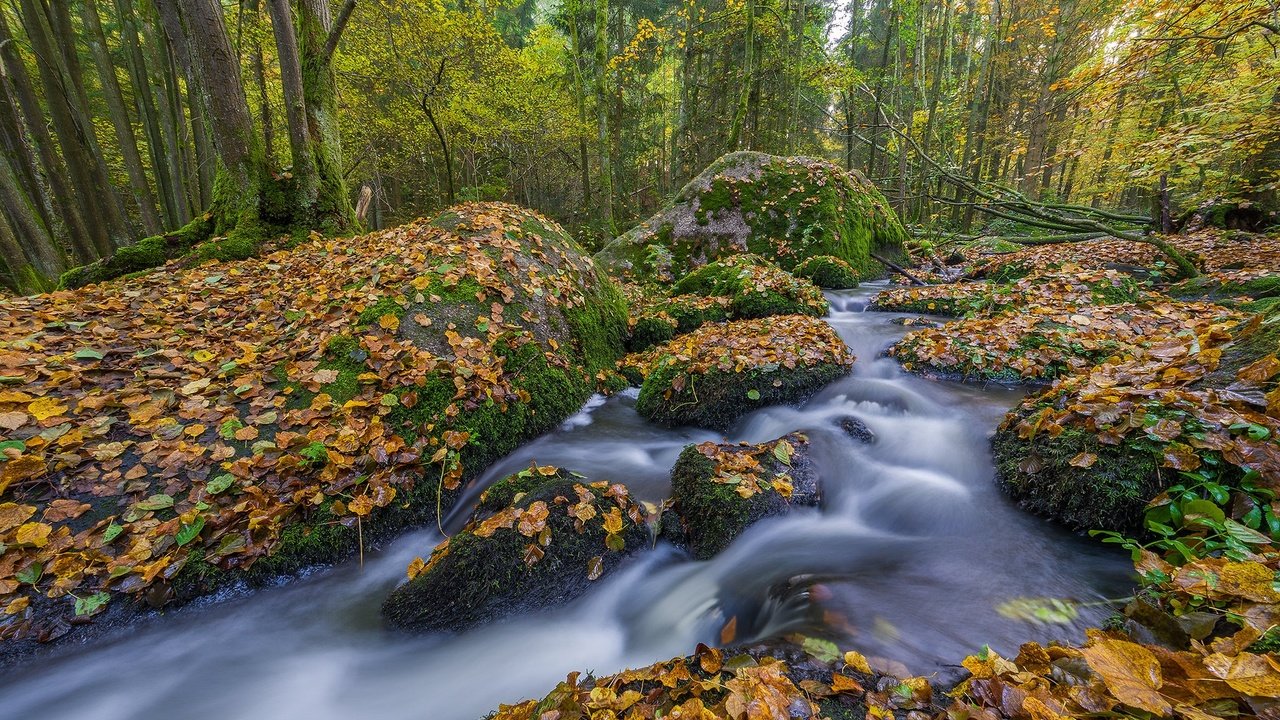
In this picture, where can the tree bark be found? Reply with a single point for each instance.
(602, 117)
(144, 98)
(318, 36)
(295, 106)
(120, 121)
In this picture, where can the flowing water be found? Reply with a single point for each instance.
(908, 559)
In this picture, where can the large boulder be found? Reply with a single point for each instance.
(553, 538)
(718, 490)
(163, 435)
(784, 209)
(722, 371)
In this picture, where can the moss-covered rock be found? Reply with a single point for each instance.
(755, 287)
(720, 490)
(1092, 451)
(722, 371)
(785, 209)
(665, 318)
(315, 401)
(556, 537)
(1108, 495)
(828, 271)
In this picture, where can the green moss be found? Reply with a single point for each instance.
(791, 209)
(506, 491)
(717, 399)
(755, 287)
(1110, 495)
(714, 513)
(827, 271)
(384, 306)
(237, 246)
(600, 327)
(651, 329)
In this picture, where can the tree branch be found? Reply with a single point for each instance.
(340, 24)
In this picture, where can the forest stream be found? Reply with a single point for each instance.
(909, 559)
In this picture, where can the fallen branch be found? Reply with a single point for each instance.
(898, 269)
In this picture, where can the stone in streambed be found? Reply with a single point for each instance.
(713, 376)
(719, 490)
(553, 539)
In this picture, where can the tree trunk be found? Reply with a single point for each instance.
(174, 214)
(44, 261)
(295, 107)
(602, 117)
(748, 76)
(572, 10)
(86, 176)
(239, 184)
(318, 34)
(120, 118)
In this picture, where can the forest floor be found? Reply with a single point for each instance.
(1183, 372)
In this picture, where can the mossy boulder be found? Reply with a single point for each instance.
(1097, 447)
(755, 287)
(785, 209)
(719, 490)
(247, 419)
(557, 536)
(722, 371)
(828, 271)
(1109, 495)
(664, 318)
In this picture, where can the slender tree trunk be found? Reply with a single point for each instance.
(144, 99)
(295, 107)
(120, 118)
(264, 101)
(117, 224)
(602, 117)
(748, 75)
(85, 175)
(44, 259)
(572, 9)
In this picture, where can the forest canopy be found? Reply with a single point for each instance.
(336, 116)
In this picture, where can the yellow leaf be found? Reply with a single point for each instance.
(857, 661)
(389, 322)
(20, 468)
(613, 521)
(12, 515)
(1247, 673)
(17, 606)
(46, 407)
(361, 505)
(1130, 672)
(203, 356)
(35, 534)
(416, 567)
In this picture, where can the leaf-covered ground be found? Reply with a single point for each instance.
(194, 416)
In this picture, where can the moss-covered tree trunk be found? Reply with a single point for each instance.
(318, 35)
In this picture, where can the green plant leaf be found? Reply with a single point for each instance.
(92, 604)
(753, 394)
(190, 531)
(219, 484)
